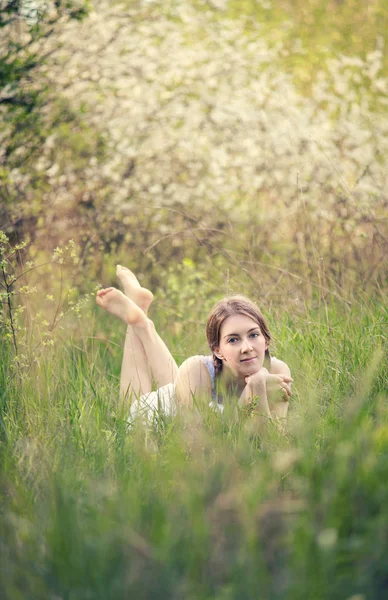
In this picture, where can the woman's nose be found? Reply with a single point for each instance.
(246, 346)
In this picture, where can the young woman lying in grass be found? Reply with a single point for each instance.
(240, 368)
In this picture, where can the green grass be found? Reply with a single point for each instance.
(92, 510)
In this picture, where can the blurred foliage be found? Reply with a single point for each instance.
(218, 157)
(30, 319)
(313, 31)
(26, 29)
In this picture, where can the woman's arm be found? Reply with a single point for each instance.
(278, 397)
(255, 397)
(193, 382)
(254, 400)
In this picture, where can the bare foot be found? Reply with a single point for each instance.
(132, 288)
(119, 305)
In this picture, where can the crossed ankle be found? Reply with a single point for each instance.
(145, 328)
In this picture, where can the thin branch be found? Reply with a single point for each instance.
(59, 303)
(32, 269)
(10, 309)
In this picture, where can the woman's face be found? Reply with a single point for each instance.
(242, 346)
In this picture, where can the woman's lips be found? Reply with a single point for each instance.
(245, 360)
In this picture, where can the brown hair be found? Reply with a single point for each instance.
(234, 305)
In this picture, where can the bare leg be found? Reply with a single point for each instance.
(134, 354)
(135, 372)
(155, 355)
(163, 367)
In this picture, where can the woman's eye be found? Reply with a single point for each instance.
(255, 335)
(231, 340)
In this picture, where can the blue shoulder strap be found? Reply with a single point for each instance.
(208, 361)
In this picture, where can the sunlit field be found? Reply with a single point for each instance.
(214, 148)
(94, 509)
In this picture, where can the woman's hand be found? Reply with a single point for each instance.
(255, 392)
(273, 385)
(279, 388)
(267, 395)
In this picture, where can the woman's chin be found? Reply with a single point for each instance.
(251, 367)
(245, 369)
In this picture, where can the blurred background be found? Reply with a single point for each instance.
(250, 136)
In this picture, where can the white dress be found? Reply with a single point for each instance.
(148, 406)
(163, 400)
